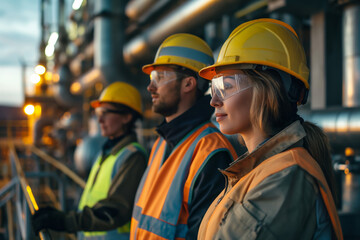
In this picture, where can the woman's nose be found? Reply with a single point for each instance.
(215, 101)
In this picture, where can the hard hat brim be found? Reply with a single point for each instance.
(210, 71)
(147, 69)
(95, 103)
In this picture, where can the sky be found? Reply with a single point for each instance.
(19, 42)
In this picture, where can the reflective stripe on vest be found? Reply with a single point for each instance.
(312, 167)
(95, 191)
(110, 235)
(170, 177)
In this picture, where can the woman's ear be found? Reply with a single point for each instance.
(127, 118)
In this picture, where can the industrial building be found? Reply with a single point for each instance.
(97, 42)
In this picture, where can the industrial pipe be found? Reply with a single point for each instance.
(342, 126)
(137, 8)
(188, 16)
(108, 46)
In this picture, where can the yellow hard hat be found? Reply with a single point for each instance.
(266, 42)
(184, 50)
(122, 93)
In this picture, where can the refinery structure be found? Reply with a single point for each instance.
(47, 152)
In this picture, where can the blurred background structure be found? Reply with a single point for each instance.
(48, 144)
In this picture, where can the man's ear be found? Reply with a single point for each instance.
(189, 84)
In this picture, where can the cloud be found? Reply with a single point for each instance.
(11, 92)
(19, 40)
(20, 9)
(19, 31)
(31, 28)
(16, 46)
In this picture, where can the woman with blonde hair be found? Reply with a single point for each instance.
(283, 187)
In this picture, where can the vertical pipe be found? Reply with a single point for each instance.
(318, 61)
(23, 77)
(351, 54)
(42, 59)
(109, 38)
(61, 14)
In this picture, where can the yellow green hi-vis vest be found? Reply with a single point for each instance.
(95, 191)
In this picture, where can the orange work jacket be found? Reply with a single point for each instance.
(211, 222)
(161, 205)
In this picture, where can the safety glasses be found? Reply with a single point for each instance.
(227, 85)
(162, 77)
(101, 111)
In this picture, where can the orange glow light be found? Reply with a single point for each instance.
(34, 78)
(29, 109)
(40, 69)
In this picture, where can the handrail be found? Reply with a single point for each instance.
(23, 183)
(58, 204)
(63, 168)
(5, 191)
(30, 199)
(10, 217)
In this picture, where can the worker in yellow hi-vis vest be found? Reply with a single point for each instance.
(105, 207)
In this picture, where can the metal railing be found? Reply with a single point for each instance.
(60, 166)
(17, 196)
(25, 203)
(17, 128)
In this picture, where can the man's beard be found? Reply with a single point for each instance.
(170, 108)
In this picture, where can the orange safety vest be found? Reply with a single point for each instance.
(161, 209)
(211, 221)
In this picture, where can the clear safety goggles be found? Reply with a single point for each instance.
(227, 85)
(162, 77)
(101, 111)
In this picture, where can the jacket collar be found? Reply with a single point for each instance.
(126, 140)
(291, 136)
(110, 143)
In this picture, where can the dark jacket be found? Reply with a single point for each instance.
(115, 210)
(209, 182)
